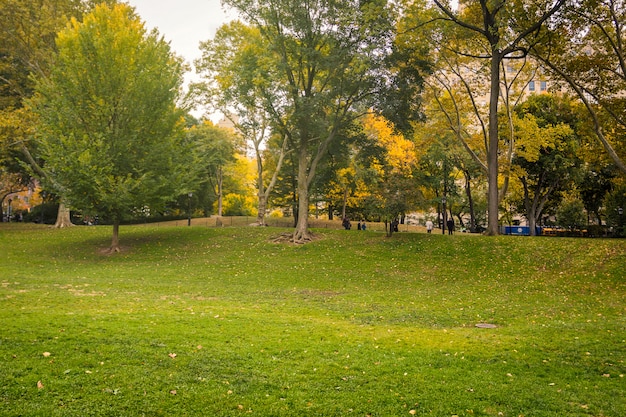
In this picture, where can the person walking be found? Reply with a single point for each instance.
(429, 226)
(450, 226)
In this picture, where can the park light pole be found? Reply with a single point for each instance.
(620, 222)
(189, 208)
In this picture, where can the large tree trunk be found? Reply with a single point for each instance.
(301, 233)
(264, 192)
(492, 156)
(219, 191)
(470, 200)
(63, 217)
(262, 204)
(115, 240)
(345, 203)
(532, 223)
(260, 217)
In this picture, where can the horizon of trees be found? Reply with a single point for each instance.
(362, 112)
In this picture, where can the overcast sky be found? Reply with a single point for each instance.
(184, 23)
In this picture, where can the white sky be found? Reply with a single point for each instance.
(183, 23)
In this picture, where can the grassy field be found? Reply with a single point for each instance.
(196, 321)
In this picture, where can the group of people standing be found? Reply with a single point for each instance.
(449, 224)
(429, 225)
(347, 225)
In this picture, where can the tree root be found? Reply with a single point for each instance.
(289, 237)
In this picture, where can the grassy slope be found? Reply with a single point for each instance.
(353, 323)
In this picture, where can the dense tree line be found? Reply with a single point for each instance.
(368, 110)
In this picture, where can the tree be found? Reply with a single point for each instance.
(391, 180)
(111, 134)
(27, 32)
(238, 69)
(595, 183)
(504, 29)
(571, 214)
(615, 206)
(330, 56)
(215, 148)
(545, 162)
(588, 52)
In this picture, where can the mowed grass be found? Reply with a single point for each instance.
(225, 322)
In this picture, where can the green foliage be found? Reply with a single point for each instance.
(594, 185)
(546, 161)
(571, 214)
(214, 149)
(111, 134)
(27, 32)
(326, 68)
(223, 322)
(45, 213)
(238, 205)
(597, 76)
(615, 207)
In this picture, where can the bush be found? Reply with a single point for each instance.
(615, 206)
(238, 205)
(571, 215)
(46, 212)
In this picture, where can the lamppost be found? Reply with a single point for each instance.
(9, 211)
(189, 208)
(443, 226)
(620, 222)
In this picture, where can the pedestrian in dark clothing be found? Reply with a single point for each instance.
(450, 226)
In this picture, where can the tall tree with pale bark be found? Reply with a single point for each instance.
(330, 55)
(238, 74)
(501, 30)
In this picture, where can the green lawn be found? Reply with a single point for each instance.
(224, 322)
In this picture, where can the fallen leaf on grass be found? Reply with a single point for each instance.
(39, 385)
(172, 355)
(46, 354)
(173, 392)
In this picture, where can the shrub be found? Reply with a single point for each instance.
(571, 214)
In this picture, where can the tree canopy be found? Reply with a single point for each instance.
(329, 56)
(110, 131)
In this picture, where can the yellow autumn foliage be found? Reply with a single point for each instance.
(400, 151)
